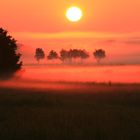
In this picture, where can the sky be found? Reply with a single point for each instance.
(42, 23)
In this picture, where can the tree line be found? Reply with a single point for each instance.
(10, 58)
(69, 56)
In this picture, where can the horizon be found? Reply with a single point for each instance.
(111, 25)
(70, 69)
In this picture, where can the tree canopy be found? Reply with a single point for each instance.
(71, 56)
(9, 58)
(68, 56)
(39, 54)
(99, 54)
(52, 55)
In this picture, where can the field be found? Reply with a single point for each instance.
(83, 112)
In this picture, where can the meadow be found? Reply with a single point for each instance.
(38, 110)
(82, 73)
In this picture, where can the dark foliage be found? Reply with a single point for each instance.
(9, 58)
(52, 55)
(67, 56)
(99, 54)
(64, 55)
(83, 54)
(39, 54)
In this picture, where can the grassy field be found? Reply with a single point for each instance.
(96, 112)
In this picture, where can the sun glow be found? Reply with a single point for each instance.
(74, 14)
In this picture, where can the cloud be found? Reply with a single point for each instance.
(66, 35)
(98, 38)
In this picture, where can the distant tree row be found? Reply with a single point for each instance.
(68, 56)
(10, 58)
(72, 54)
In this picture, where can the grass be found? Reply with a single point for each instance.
(98, 112)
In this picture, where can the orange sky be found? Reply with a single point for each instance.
(35, 22)
(49, 15)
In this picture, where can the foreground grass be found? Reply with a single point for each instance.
(98, 112)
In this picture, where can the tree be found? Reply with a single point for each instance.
(68, 56)
(63, 55)
(99, 54)
(83, 54)
(74, 53)
(9, 58)
(39, 54)
(52, 55)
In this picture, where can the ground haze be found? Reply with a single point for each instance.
(63, 102)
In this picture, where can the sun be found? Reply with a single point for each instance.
(74, 14)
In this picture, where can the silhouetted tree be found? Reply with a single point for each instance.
(83, 54)
(68, 56)
(52, 55)
(74, 53)
(99, 54)
(39, 54)
(63, 55)
(9, 58)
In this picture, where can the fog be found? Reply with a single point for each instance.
(61, 76)
(122, 74)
